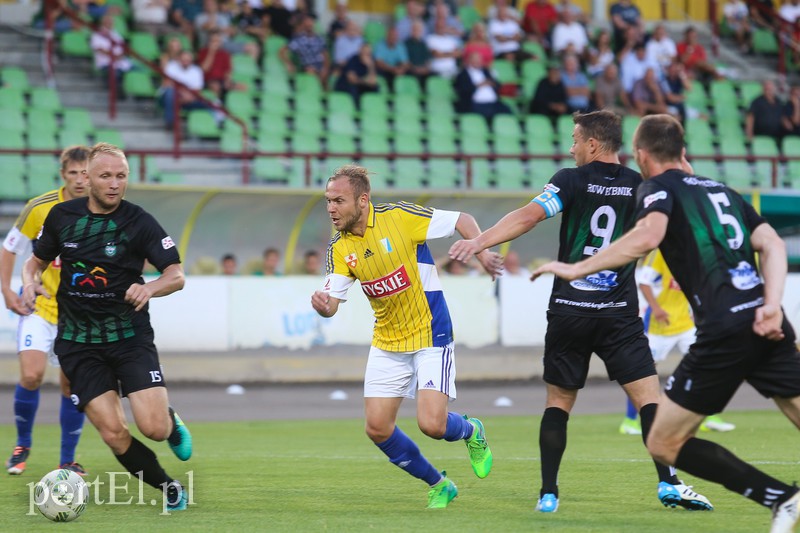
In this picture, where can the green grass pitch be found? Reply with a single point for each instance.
(326, 476)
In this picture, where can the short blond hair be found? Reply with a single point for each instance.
(105, 149)
(357, 175)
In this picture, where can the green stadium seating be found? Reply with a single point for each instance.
(273, 45)
(145, 45)
(474, 146)
(749, 91)
(231, 141)
(310, 125)
(11, 140)
(696, 97)
(481, 173)
(240, 104)
(270, 169)
(305, 83)
(473, 125)
(244, 67)
(138, 84)
(40, 182)
(374, 105)
(793, 174)
(374, 32)
(71, 137)
(12, 98)
(535, 49)
(701, 146)
(440, 88)
(737, 173)
(12, 165)
(201, 123)
(46, 98)
(506, 127)
(764, 146)
(12, 120)
(341, 104)
(309, 104)
(42, 120)
(443, 174)
(408, 145)
(534, 71)
(340, 144)
(271, 141)
(764, 42)
(706, 168)
(542, 147)
(407, 85)
(342, 125)
(109, 135)
(406, 107)
(510, 174)
(306, 143)
(442, 145)
(468, 16)
(507, 146)
(697, 129)
(75, 43)
(275, 105)
(410, 126)
(272, 85)
(541, 170)
(409, 173)
(441, 127)
(14, 77)
(375, 144)
(732, 146)
(762, 176)
(377, 126)
(380, 172)
(538, 128)
(13, 187)
(170, 178)
(505, 71)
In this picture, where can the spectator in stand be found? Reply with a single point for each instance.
(312, 263)
(765, 115)
(608, 91)
(790, 11)
(252, 22)
(569, 35)
(419, 57)
(550, 97)
(477, 89)
(347, 44)
(646, 97)
(634, 65)
(445, 50)
(172, 52)
(229, 265)
(339, 22)
(215, 62)
(512, 266)
(391, 57)
(693, 56)
(600, 55)
(497, 4)
(505, 35)
(107, 46)
(270, 259)
(762, 13)
(737, 18)
(280, 19)
(577, 85)
(358, 75)
(791, 119)
(183, 14)
(790, 31)
(540, 17)
(478, 43)
(152, 16)
(211, 20)
(309, 49)
(674, 86)
(452, 26)
(625, 16)
(661, 48)
(187, 73)
(577, 13)
(414, 13)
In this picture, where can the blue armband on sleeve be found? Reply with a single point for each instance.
(550, 202)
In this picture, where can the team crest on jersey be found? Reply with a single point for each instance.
(744, 276)
(351, 260)
(605, 280)
(386, 245)
(111, 249)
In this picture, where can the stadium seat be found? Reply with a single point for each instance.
(764, 146)
(732, 146)
(707, 168)
(273, 45)
(14, 77)
(443, 174)
(342, 125)
(473, 125)
(271, 141)
(764, 42)
(310, 125)
(762, 174)
(534, 71)
(12, 120)
(169, 178)
(474, 146)
(748, 91)
(42, 120)
(231, 141)
(275, 105)
(409, 126)
(538, 128)
(375, 144)
(481, 173)
(45, 98)
(13, 165)
(696, 97)
(309, 104)
(793, 174)
(11, 140)
(374, 31)
(12, 98)
(341, 104)
(270, 170)
(240, 104)
(729, 128)
(441, 127)
(70, 137)
(46, 165)
(271, 85)
(439, 88)
(341, 145)
(138, 84)
(145, 45)
(109, 135)
(75, 43)
(40, 182)
(200, 123)
(374, 105)
(725, 111)
(737, 173)
(505, 71)
(697, 129)
(409, 173)
(701, 146)
(305, 83)
(380, 172)
(508, 146)
(407, 106)
(306, 143)
(407, 85)
(468, 15)
(543, 148)
(506, 127)
(510, 174)
(791, 145)
(541, 170)
(442, 145)
(244, 68)
(13, 187)
(378, 126)
(408, 145)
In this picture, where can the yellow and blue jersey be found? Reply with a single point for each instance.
(668, 295)
(26, 230)
(397, 274)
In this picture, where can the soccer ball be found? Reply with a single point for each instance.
(61, 495)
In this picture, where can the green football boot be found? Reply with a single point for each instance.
(479, 453)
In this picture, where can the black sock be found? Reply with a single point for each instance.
(552, 443)
(711, 461)
(174, 437)
(647, 414)
(140, 458)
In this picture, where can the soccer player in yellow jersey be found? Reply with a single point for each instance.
(37, 329)
(667, 323)
(384, 247)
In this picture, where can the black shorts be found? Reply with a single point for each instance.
(619, 341)
(127, 366)
(709, 375)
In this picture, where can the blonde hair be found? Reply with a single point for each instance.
(105, 148)
(357, 175)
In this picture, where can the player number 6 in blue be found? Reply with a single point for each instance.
(28, 341)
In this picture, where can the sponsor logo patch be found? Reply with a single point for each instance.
(744, 276)
(167, 242)
(551, 187)
(656, 196)
(604, 280)
(390, 284)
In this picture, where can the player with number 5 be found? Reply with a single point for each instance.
(596, 313)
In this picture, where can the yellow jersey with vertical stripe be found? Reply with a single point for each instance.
(397, 274)
(668, 295)
(25, 232)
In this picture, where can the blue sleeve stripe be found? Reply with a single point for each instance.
(550, 202)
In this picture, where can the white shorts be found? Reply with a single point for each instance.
(36, 333)
(400, 374)
(662, 345)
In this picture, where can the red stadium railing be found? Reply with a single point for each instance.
(112, 80)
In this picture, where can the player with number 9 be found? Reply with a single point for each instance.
(594, 314)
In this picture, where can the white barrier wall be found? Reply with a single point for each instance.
(219, 314)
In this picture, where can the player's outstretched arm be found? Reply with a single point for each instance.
(643, 238)
(32, 281)
(509, 227)
(170, 280)
(12, 299)
(324, 304)
(468, 228)
(772, 252)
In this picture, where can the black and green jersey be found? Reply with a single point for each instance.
(707, 247)
(598, 201)
(101, 257)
